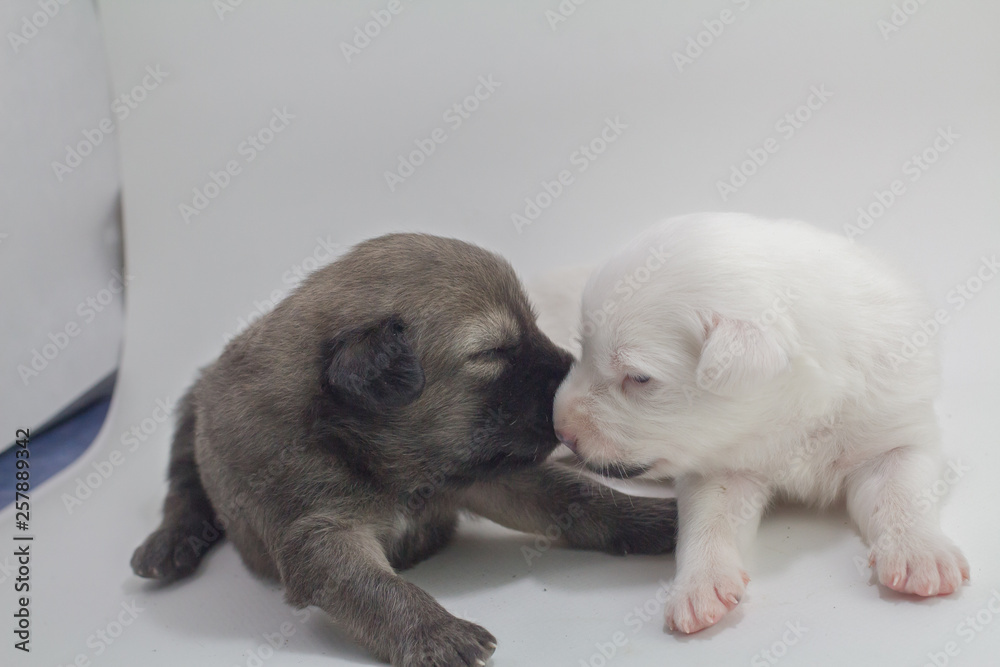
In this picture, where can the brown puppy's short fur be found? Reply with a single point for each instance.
(336, 439)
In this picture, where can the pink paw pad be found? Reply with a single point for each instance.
(701, 604)
(927, 573)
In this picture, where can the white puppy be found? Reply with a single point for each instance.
(751, 359)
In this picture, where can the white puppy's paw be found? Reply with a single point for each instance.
(934, 567)
(702, 600)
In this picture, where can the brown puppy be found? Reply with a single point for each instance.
(336, 439)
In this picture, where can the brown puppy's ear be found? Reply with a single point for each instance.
(374, 367)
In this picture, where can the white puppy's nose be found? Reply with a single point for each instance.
(565, 415)
(567, 439)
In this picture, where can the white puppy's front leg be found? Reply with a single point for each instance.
(908, 549)
(716, 514)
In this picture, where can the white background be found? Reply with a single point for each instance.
(322, 177)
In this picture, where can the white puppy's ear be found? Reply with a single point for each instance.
(738, 355)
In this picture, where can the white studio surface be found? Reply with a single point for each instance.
(278, 70)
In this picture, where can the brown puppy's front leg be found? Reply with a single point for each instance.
(344, 572)
(587, 514)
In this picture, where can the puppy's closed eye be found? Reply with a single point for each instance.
(635, 381)
(497, 353)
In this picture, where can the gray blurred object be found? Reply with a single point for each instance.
(60, 232)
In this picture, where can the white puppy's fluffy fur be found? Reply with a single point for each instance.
(751, 359)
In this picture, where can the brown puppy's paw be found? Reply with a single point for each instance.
(647, 526)
(167, 554)
(451, 642)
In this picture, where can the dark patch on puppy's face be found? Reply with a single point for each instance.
(514, 426)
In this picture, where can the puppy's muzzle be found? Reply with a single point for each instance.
(567, 440)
